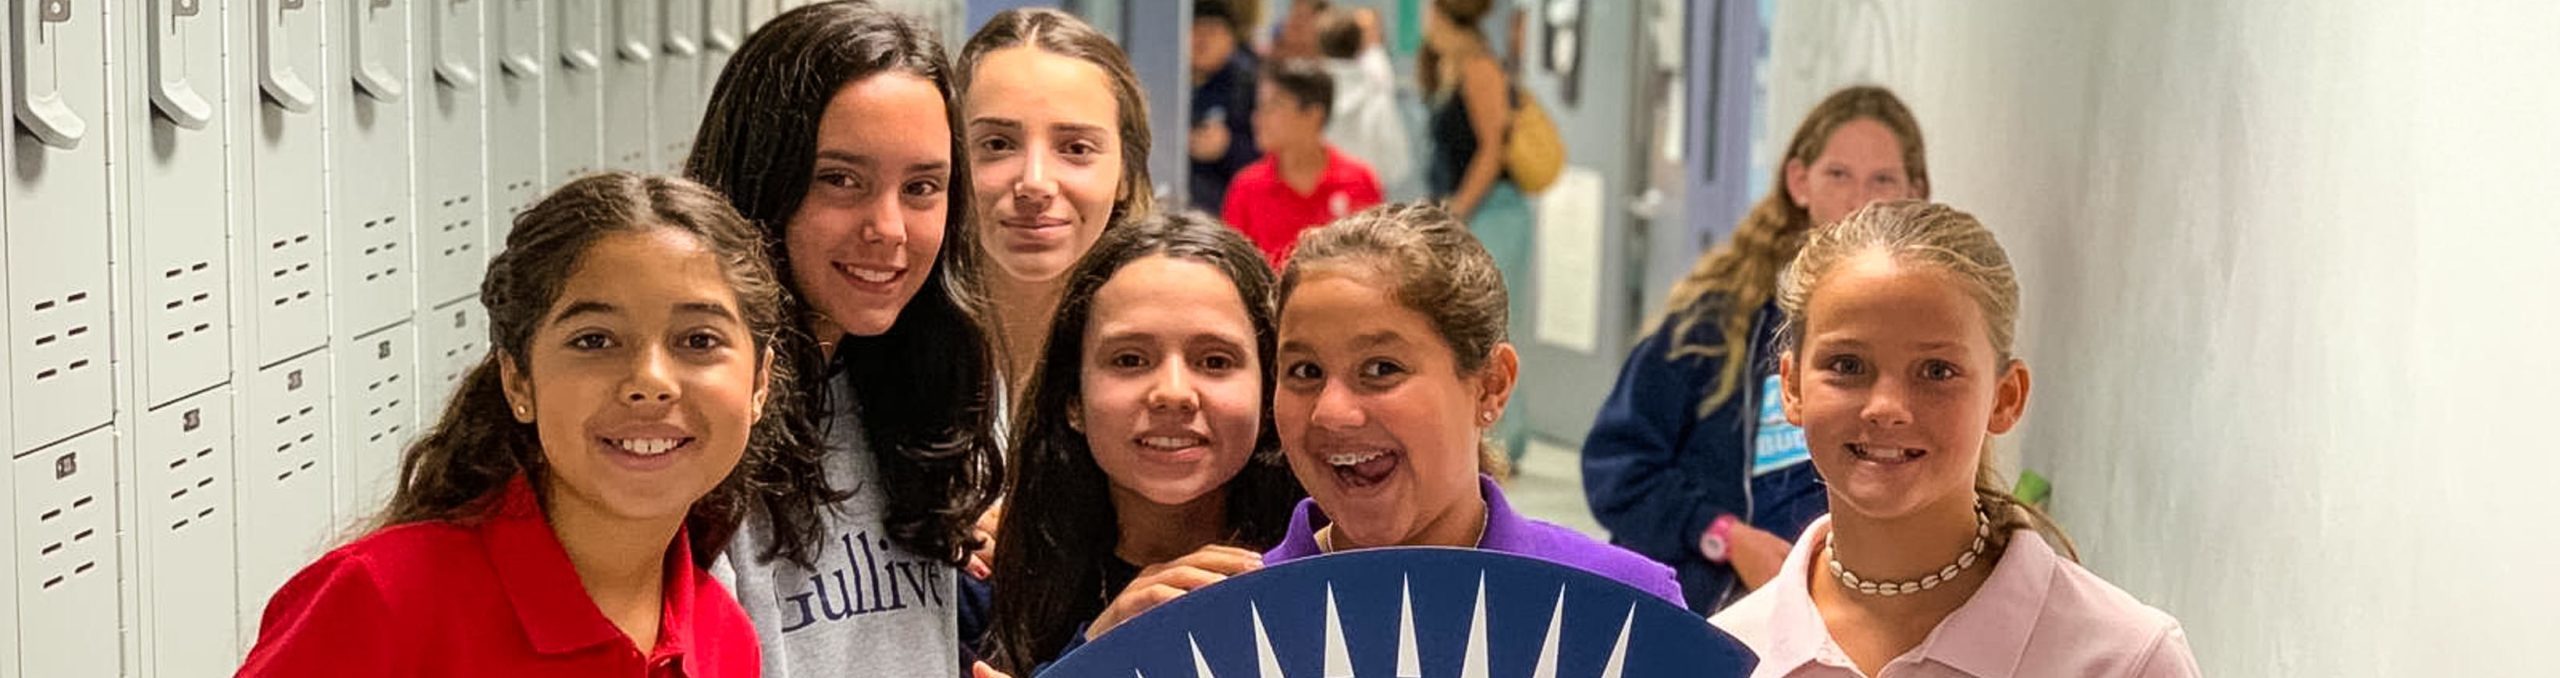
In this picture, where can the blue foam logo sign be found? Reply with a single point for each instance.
(1412, 612)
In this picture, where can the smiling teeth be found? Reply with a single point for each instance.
(1886, 453)
(648, 447)
(1353, 458)
(869, 275)
(1168, 442)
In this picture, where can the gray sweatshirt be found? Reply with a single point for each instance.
(870, 608)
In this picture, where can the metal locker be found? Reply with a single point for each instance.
(67, 558)
(377, 403)
(630, 76)
(456, 337)
(724, 28)
(372, 280)
(8, 485)
(283, 470)
(183, 285)
(183, 477)
(516, 44)
(572, 137)
(286, 312)
(679, 86)
(760, 11)
(452, 216)
(57, 221)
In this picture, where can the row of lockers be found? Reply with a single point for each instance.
(243, 240)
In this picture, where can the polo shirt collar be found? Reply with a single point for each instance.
(1504, 530)
(549, 600)
(1988, 635)
(1985, 637)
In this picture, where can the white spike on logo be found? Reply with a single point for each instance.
(1555, 629)
(1262, 645)
(1477, 648)
(1199, 664)
(1408, 656)
(1617, 656)
(1337, 654)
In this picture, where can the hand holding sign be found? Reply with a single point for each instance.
(1168, 580)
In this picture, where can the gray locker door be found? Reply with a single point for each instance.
(630, 75)
(452, 216)
(8, 494)
(190, 601)
(519, 47)
(286, 309)
(377, 400)
(66, 558)
(455, 338)
(283, 471)
(679, 81)
(574, 140)
(372, 278)
(181, 215)
(57, 222)
(724, 28)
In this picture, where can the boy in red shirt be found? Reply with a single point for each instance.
(1301, 182)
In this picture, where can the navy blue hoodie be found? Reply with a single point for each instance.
(1657, 474)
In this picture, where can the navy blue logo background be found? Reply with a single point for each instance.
(1274, 623)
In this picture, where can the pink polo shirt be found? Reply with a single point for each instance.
(2038, 615)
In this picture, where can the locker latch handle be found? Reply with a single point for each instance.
(682, 46)
(45, 114)
(521, 66)
(634, 45)
(276, 77)
(515, 64)
(371, 77)
(171, 93)
(449, 70)
(636, 51)
(720, 40)
(454, 74)
(580, 59)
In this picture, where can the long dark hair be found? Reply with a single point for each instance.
(1059, 528)
(924, 410)
(477, 446)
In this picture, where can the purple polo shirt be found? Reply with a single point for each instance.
(1509, 532)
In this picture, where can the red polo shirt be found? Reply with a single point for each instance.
(1267, 210)
(494, 597)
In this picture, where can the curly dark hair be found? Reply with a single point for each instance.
(456, 469)
(1059, 528)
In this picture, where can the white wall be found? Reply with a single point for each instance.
(2290, 298)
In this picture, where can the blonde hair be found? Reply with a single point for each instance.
(1741, 276)
(1433, 265)
(1923, 234)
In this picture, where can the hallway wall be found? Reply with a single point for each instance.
(2289, 292)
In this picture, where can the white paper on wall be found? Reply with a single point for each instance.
(1568, 265)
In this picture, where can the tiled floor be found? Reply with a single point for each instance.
(1548, 486)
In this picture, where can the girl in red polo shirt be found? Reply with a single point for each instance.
(555, 521)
